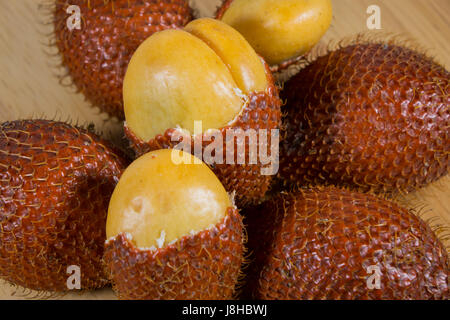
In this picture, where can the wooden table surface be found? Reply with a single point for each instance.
(29, 85)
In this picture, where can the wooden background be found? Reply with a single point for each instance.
(29, 85)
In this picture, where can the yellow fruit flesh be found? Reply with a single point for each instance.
(158, 202)
(175, 78)
(237, 54)
(280, 29)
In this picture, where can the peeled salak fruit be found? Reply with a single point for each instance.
(97, 38)
(205, 89)
(330, 243)
(55, 185)
(279, 30)
(372, 116)
(173, 232)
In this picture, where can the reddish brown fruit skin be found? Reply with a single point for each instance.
(55, 185)
(204, 266)
(262, 112)
(316, 243)
(223, 8)
(261, 226)
(97, 56)
(371, 116)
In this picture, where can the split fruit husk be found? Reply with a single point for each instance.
(55, 185)
(371, 116)
(96, 55)
(173, 232)
(330, 243)
(210, 74)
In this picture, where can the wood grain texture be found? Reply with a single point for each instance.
(29, 86)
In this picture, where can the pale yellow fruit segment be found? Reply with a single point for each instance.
(174, 79)
(157, 201)
(280, 29)
(238, 55)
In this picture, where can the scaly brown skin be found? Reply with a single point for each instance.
(317, 243)
(55, 185)
(204, 266)
(262, 112)
(97, 56)
(370, 116)
(224, 7)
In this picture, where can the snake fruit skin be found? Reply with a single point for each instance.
(55, 185)
(97, 55)
(317, 243)
(201, 266)
(371, 116)
(261, 112)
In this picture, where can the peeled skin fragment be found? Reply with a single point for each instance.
(172, 231)
(279, 30)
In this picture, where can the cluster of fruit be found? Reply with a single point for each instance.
(365, 119)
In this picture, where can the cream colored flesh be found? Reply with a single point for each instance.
(158, 202)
